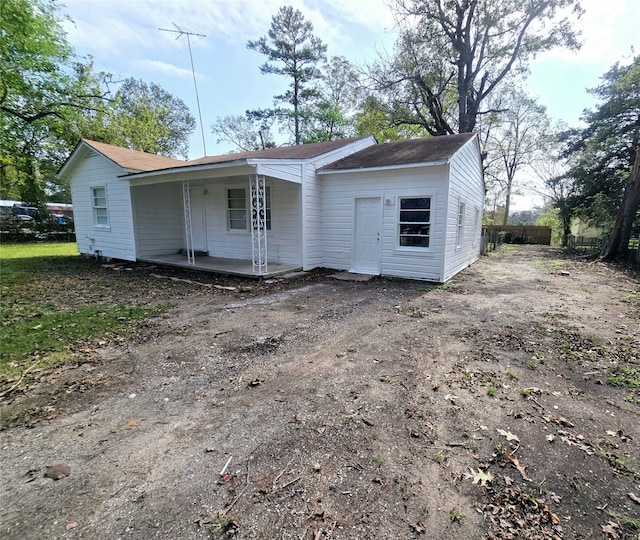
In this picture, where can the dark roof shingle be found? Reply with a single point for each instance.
(413, 151)
(302, 151)
(137, 162)
(133, 160)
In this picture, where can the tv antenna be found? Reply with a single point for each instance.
(181, 33)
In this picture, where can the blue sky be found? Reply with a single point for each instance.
(124, 37)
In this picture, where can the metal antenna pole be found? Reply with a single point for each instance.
(181, 33)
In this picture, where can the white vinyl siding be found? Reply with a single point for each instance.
(465, 186)
(100, 207)
(338, 194)
(159, 213)
(93, 170)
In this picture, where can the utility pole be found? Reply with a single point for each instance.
(181, 33)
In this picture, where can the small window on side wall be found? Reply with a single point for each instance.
(415, 222)
(460, 232)
(99, 205)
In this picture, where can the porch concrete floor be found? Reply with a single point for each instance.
(218, 265)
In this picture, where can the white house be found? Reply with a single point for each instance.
(408, 209)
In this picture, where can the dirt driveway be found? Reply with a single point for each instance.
(504, 404)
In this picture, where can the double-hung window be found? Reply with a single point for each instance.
(237, 208)
(99, 205)
(415, 222)
(460, 231)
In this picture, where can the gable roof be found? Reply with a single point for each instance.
(133, 160)
(301, 151)
(413, 151)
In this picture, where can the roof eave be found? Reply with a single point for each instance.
(188, 168)
(386, 167)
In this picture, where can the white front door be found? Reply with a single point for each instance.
(366, 244)
(198, 219)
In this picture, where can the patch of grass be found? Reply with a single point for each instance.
(625, 377)
(456, 516)
(55, 332)
(378, 459)
(37, 332)
(491, 391)
(512, 374)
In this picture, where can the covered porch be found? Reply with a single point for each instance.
(219, 265)
(227, 221)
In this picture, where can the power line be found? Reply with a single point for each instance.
(181, 33)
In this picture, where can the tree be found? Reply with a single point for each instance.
(39, 93)
(330, 114)
(147, 118)
(563, 196)
(514, 138)
(293, 51)
(416, 85)
(604, 152)
(470, 46)
(243, 132)
(375, 118)
(617, 246)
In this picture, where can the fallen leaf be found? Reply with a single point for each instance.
(298, 417)
(555, 497)
(480, 477)
(72, 525)
(634, 498)
(612, 530)
(132, 422)
(521, 468)
(510, 436)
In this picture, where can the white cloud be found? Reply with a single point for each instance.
(166, 69)
(608, 32)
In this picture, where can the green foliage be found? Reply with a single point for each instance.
(144, 117)
(376, 119)
(602, 153)
(550, 217)
(49, 98)
(294, 52)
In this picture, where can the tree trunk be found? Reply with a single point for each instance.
(507, 207)
(617, 246)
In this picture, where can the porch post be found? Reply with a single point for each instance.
(258, 223)
(186, 201)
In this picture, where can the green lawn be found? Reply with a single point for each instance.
(45, 318)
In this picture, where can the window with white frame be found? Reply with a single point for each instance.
(476, 223)
(99, 205)
(460, 233)
(414, 222)
(237, 208)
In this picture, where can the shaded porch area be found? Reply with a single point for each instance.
(219, 265)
